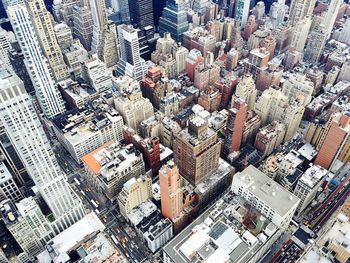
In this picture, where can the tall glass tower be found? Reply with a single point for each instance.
(174, 20)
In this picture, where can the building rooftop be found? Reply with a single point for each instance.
(77, 90)
(223, 169)
(84, 241)
(144, 210)
(155, 230)
(78, 124)
(308, 151)
(217, 235)
(334, 243)
(111, 158)
(266, 189)
(61, 245)
(313, 175)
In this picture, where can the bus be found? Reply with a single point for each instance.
(94, 203)
(114, 239)
(77, 181)
(96, 211)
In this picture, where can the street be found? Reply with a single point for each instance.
(122, 235)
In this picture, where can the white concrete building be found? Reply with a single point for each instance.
(95, 72)
(159, 234)
(26, 132)
(83, 131)
(75, 55)
(37, 65)
(267, 196)
(28, 225)
(8, 186)
(295, 85)
(130, 62)
(308, 185)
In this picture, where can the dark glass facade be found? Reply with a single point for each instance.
(173, 20)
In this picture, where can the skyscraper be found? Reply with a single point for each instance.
(174, 20)
(83, 26)
(37, 65)
(197, 151)
(242, 11)
(42, 22)
(5, 46)
(130, 62)
(331, 15)
(300, 9)
(141, 13)
(277, 12)
(23, 127)
(234, 127)
(108, 51)
(316, 43)
(99, 16)
(334, 143)
(171, 193)
(300, 33)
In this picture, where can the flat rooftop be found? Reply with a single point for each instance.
(266, 189)
(217, 236)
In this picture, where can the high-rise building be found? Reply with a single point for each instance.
(196, 151)
(5, 46)
(335, 143)
(25, 131)
(199, 6)
(331, 15)
(300, 9)
(297, 85)
(134, 192)
(108, 51)
(133, 107)
(99, 16)
(174, 19)
(242, 8)
(269, 138)
(235, 126)
(44, 28)
(141, 13)
(300, 33)
(316, 43)
(17, 61)
(277, 12)
(308, 185)
(64, 35)
(83, 26)
(246, 91)
(274, 105)
(257, 61)
(28, 225)
(95, 72)
(37, 64)
(130, 62)
(343, 34)
(142, 18)
(171, 193)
